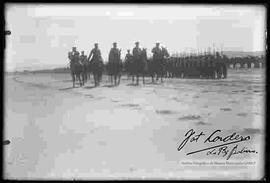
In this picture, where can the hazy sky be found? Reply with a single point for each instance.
(42, 35)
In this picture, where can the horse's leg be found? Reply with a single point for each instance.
(111, 78)
(78, 78)
(94, 75)
(82, 75)
(114, 78)
(97, 78)
(119, 78)
(137, 79)
(73, 80)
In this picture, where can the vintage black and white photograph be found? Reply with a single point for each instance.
(134, 91)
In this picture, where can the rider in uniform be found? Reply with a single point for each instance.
(128, 56)
(157, 57)
(156, 52)
(95, 52)
(115, 58)
(83, 58)
(74, 51)
(128, 62)
(136, 52)
(73, 55)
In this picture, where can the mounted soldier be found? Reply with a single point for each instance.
(137, 62)
(96, 63)
(84, 62)
(74, 51)
(114, 64)
(76, 67)
(128, 64)
(157, 60)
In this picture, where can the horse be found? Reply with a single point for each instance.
(88, 69)
(114, 68)
(139, 66)
(76, 69)
(151, 68)
(144, 64)
(97, 69)
(128, 64)
(162, 63)
(84, 63)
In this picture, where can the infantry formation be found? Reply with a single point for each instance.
(136, 64)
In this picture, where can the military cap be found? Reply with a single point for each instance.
(137, 42)
(96, 44)
(114, 43)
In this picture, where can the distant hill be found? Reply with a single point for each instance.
(55, 70)
(231, 54)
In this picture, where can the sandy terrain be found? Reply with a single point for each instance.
(59, 132)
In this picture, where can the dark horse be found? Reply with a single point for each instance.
(97, 68)
(114, 69)
(76, 69)
(85, 63)
(88, 69)
(158, 67)
(140, 66)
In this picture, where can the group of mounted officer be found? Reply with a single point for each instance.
(135, 64)
(81, 66)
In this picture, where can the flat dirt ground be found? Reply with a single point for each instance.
(60, 132)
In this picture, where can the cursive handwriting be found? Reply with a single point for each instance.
(192, 136)
(234, 136)
(189, 138)
(226, 151)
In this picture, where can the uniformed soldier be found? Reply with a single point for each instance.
(83, 58)
(218, 65)
(157, 58)
(114, 64)
(157, 52)
(73, 55)
(74, 51)
(224, 66)
(136, 52)
(128, 55)
(95, 53)
(115, 54)
(128, 63)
